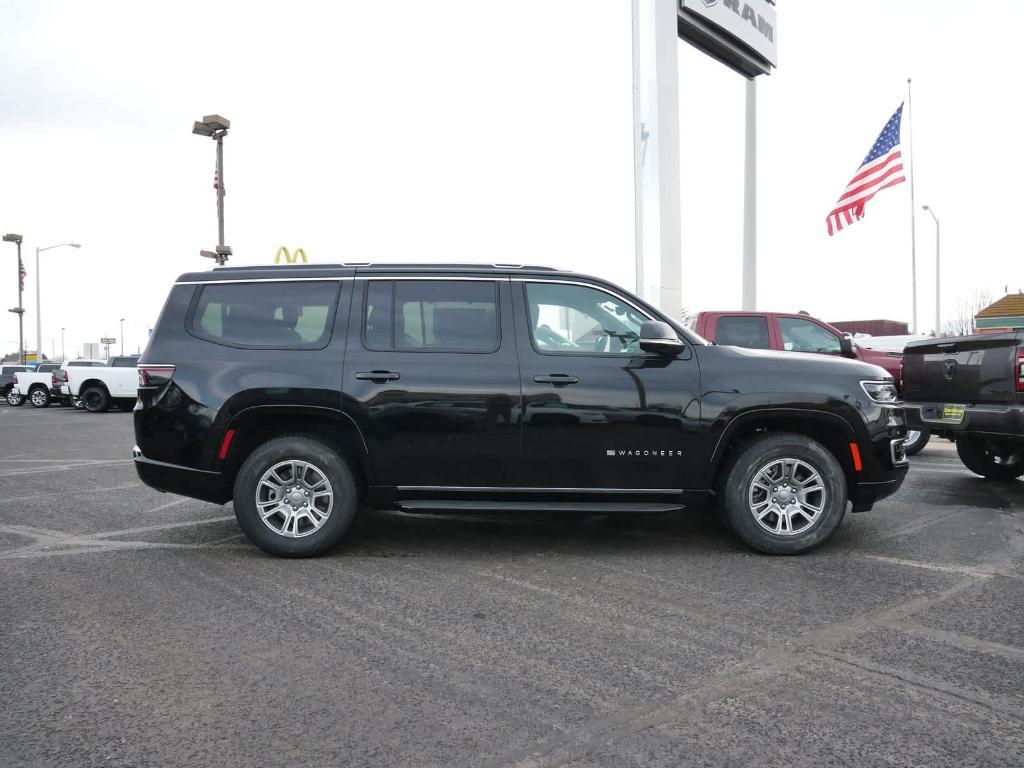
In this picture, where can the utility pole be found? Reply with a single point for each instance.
(750, 201)
(122, 337)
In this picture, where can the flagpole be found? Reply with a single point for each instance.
(913, 214)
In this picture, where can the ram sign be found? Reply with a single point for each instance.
(740, 33)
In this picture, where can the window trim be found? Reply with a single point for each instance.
(394, 309)
(615, 355)
(190, 319)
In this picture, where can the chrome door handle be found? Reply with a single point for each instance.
(378, 376)
(557, 378)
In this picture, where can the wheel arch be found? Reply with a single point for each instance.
(833, 431)
(255, 425)
(93, 383)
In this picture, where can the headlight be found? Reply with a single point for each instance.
(880, 391)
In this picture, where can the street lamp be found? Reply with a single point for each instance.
(62, 358)
(938, 327)
(216, 127)
(122, 337)
(39, 306)
(20, 309)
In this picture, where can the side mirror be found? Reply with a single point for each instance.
(659, 338)
(846, 346)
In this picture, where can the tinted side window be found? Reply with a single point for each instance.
(294, 315)
(431, 315)
(806, 336)
(750, 332)
(124, 362)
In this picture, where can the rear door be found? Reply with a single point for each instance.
(432, 380)
(749, 331)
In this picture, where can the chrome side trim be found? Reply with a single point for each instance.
(514, 489)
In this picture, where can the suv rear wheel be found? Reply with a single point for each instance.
(295, 497)
(991, 458)
(784, 494)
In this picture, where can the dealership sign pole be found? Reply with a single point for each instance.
(743, 36)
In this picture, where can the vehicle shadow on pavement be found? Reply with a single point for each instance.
(386, 533)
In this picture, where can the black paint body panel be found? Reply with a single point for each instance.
(476, 426)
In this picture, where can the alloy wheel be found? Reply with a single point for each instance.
(294, 498)
(38, 398)
(786, 496)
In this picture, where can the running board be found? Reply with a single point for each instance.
(457, 505)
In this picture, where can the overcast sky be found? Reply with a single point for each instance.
(477, 130)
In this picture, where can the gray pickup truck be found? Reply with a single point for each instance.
(971, 389)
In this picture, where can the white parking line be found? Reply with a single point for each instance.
(957, 570)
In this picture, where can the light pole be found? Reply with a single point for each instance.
(39, 306)
(216, 127)
(62, 344)
(122, 337)
(20, 309)
(938, 274)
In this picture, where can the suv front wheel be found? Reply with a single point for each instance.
(783, 493)
(295, 497)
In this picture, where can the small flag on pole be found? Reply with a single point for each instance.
(881, 169)
(21, 273)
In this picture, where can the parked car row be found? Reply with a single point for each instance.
(94, 385)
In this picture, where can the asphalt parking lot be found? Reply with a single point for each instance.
(140, 629)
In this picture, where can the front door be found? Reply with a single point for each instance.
(432, 381)
(601, 414)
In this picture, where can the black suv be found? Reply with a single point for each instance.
(301, 392)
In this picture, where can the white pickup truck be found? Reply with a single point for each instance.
(99, 388)
(34, 386)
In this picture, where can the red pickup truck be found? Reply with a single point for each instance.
(800, 332)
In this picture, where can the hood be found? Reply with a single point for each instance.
(800, 363)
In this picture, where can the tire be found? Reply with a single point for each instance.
(14, 399)
(784, 459)
(39, 397)
(96, 399)
(915, 446)
(286, 534)
(991, 458)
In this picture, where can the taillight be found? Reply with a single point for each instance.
(1019, 369)
(66, 379)
(15, 378)
(155, 375)
(54, 381)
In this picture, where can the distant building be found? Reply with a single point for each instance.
(873, 327)
(1006, 314)
(91, 351)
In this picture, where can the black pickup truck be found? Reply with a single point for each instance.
(971, 389)
(301, 392)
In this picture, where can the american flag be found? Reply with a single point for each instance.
(881, 169)
(21, 273)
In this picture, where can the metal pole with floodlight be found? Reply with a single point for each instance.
(216, 127)
(20, 309)
(39, 306)
(938, 313)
